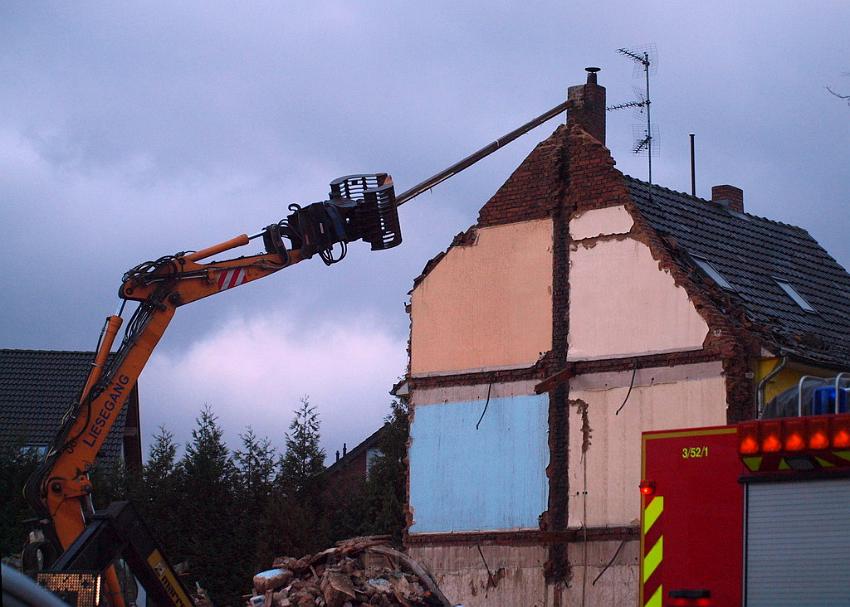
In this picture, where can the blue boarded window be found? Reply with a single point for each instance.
(489, 478)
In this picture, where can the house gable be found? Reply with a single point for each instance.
(493, 296)
(601, 207)
(535, 188)
(621, 302)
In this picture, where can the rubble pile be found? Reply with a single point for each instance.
(359, 571)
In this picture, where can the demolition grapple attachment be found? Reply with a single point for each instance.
(375, 216)
(361, 207)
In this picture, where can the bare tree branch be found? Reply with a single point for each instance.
(840, 96)
(837, 94)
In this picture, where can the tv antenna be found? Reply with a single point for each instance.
(646, 137)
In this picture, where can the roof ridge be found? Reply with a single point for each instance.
(358, 448)
(43, 351)
(707, 201)
(655, 185)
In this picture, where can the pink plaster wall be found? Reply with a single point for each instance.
(596, 222)
(487, 305)
(662, 398)
(622, 304)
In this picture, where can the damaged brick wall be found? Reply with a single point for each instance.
(586, 181)
(568, 173)
(555, 519)
(730, 336)
(595, 184)
(501, 376)
(534, 189)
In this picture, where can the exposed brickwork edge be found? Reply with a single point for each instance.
(596, 184)
(730, 334)
(525, 538)
(529, 193)
(585, 367)
(480, 377)
(556, 517)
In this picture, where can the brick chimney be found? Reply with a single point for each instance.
(729, 196)
(588, 109)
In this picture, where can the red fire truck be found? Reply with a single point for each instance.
(754, 515)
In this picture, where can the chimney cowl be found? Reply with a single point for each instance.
(728, 196)
(588, 105)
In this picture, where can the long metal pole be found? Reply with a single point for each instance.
(648, 120)
(475, 157)
(693, 169)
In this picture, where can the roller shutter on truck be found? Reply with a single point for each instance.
(797, 543)
(754, 515)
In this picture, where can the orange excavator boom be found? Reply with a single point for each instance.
(360, 207)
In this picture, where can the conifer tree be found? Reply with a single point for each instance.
(255, 463)
(111, 482)
(303, 460)
(209, 512)
(161, 494)
(256, 466)
(294, 523)
(384, 493)
(162, 459)
(16, 465)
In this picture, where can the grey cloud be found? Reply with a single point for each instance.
(133, 130)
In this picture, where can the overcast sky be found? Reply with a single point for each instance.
(133, 130)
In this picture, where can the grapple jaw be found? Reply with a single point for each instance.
(361, 207)
(374, 216)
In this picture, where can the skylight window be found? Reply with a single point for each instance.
(31, 450)
(792, 293)
(713, 273)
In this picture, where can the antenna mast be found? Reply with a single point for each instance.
(644, 59)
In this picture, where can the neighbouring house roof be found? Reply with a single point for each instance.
(36, 389)
(754, 255)
(371, 441)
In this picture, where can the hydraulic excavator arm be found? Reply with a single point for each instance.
(361, 207)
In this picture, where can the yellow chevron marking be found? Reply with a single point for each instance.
(657, 597)
(753, 463)
(825, 463)
(842, 454)
(783, 465)
(653, 559)
(652, 512)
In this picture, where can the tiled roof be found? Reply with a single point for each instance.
(36, 389)
(751, 252)
(370, 441)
